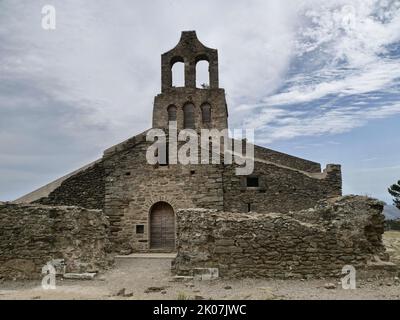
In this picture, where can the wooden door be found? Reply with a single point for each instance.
(162, 227)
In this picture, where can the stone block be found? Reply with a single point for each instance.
(205, 274)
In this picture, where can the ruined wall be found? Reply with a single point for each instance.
(31, 235)
(133, 186)
(280, 189)
(286, 160)
(84, 189)
(312, 243)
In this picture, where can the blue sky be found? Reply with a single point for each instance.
(316, 79)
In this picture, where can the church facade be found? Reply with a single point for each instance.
(140, 199)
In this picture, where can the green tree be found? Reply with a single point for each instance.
(394, 190)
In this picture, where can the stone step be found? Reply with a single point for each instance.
(141, 259)
(137, 257)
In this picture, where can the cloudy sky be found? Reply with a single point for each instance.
(317, 79)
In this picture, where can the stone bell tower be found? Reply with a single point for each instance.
(192, 108)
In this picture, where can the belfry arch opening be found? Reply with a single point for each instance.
(203, 74)
(178, 72)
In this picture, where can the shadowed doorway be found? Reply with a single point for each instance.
(162, 227)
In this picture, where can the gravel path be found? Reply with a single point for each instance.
(151, 279)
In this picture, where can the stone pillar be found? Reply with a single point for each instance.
(213, 69)
(166, 76)
(190, 74)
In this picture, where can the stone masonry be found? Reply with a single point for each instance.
(84, 189)
(316, 242)
(32, 235)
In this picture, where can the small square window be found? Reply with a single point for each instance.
(139, 228)
(252, 182)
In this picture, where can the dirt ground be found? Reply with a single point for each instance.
(391, 240)
(151, 279)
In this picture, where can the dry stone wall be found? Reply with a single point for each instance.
(316, 242)
(85, 189)
(32, 234)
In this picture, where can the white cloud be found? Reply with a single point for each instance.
(280, 125)
(91, 82)
(373, 77)
(342, 76)
(108, 54)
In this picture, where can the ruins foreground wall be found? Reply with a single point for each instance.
(32, 235)
(315, 242)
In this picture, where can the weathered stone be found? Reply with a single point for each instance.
(121, 292)
(205, 274)
(182, 278)
(79, 276)
(154, 289)
(330, 285)
(230, 249)
(225, 242)
(293, 245)
(32, 235)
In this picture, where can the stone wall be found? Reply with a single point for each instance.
(281, 189)
(133, 186)
(84, 189)
(316, 242)
(32, 234)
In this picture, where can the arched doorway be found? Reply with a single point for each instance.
(162, 226)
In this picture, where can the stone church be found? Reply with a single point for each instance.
(140, 200)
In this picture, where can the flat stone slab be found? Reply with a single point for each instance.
(205, 274)
(181, 278)
(79, 276)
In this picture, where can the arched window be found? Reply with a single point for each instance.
(188, 116)
(206, 113)
(171, 113)
(178, 73)
(202, 74)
